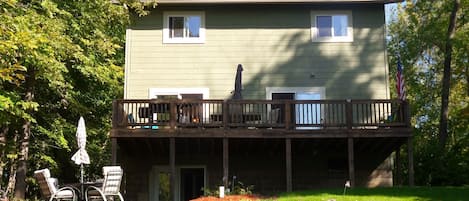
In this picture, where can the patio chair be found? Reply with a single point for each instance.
(49, 187)
(274, 116)
(110, 187)
(3, 195)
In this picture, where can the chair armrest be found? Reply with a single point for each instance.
(73, 186)
(73, 190)
(94, 188)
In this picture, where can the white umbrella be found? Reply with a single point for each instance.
(81, 156)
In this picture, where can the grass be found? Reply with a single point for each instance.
(381, 194)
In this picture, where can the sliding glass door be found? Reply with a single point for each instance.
(307, 115)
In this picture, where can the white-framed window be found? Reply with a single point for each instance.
(184, 27)
(203, 111)
(331, 26)
(176, 92)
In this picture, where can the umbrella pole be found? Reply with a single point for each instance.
(81, 181)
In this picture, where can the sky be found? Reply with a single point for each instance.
(390, 10)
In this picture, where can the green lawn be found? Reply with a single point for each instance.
(381, 194)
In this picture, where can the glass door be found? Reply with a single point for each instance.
(308, 115)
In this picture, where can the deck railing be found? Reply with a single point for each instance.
(287, 114)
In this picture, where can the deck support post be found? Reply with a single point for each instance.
(288, 161)
(172, 166)
(225, 162)
(410, 154)
(397, 164)
(351, 167)
(114, 151)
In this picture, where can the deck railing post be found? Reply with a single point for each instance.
(349, 113)
(225, 112)
(173, 114)
(114, 113)
(287, 115)
(406, 113)
(117, 113)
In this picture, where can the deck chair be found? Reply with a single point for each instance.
(3, 195)
(49, 187)
(110, 188)
(274, 116)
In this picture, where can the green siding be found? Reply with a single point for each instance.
(274, 45)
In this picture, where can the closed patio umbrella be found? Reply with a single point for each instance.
(237, 95)
(236, 109)
(81, 156)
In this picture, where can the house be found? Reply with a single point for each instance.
(315, 109)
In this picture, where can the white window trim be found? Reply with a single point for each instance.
(270, 90)
(167, 39)
(314, 30)
(153, 92)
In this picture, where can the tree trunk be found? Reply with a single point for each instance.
(12, 169)
(443, 134)
(11, 179)
(3, 142)
(22, 168)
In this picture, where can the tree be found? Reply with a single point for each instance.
(31, 47)
(421, 35)
(58, 60)
(446, 80)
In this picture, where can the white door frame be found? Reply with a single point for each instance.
(295, 90)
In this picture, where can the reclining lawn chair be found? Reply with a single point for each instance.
(111, 185)
(50, 190)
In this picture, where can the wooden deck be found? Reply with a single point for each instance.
(260, 118)
(358, 126)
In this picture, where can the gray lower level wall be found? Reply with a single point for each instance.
(255, 162)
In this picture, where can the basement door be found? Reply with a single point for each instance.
(190, 182)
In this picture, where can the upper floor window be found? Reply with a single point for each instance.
(184, 27)
(331, 26)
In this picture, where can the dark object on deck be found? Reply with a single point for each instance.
(236, 110)
(238, 86)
